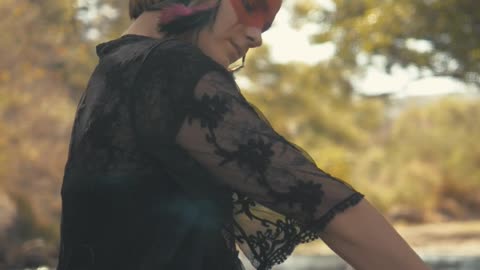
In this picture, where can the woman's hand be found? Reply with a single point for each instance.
(367, 241)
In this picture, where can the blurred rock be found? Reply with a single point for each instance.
(405, 214)
(453, 209)
(32, 254)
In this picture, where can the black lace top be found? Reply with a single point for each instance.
(170, 167)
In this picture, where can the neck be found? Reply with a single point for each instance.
(145, 25)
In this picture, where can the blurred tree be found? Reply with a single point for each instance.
(40, 76)
(314, 107)
(103, 19)
(440, 37)
(44, 38)
(429, 161)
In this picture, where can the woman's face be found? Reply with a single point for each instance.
(238, 27)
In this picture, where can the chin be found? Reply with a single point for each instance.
(226, 62)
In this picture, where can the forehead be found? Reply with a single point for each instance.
(269, 6)
(258, 13)
(260, 5)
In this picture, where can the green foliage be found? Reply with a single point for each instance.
(430, 157)
(313, 107)
(3, 157)
(427, 158)
(45, 40)
(36, 108)
(448, 28)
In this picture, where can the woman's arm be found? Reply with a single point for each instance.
(367, 241)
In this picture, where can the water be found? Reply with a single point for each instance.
(334, 262)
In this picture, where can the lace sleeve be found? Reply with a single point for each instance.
(281, 198)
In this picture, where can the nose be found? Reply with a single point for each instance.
(254, 36)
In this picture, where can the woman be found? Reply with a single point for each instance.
(169, 167)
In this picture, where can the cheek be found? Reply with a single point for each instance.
(212, 45)
(256, 18)
(226, 18)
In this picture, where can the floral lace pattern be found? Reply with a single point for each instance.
(168, 160)
(281, 199)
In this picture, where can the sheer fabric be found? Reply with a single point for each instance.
(281, 198)
(170, 167)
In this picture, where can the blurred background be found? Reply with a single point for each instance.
(382, 94)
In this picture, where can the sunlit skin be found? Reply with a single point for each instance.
(233, 33)
(372, 243)
(229, 39)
